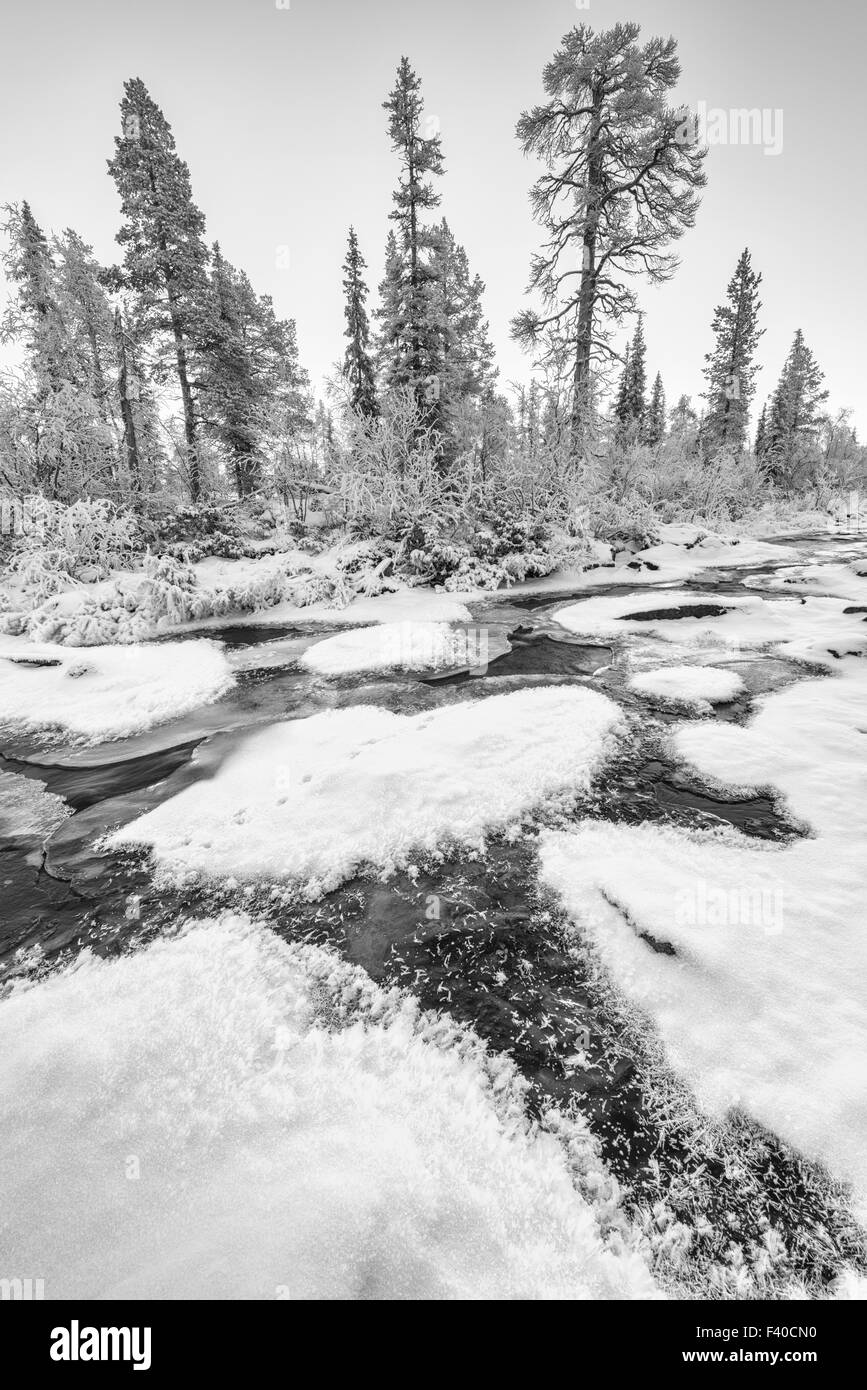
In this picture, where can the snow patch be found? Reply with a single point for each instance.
(314, 800)
(698, 686)
(407, 646)
(107, 692)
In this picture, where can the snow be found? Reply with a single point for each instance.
(411, 646)
(683, 552)
(403, 605)
(315, 800)
(690, 685)
(223, 1115)
(107, 692)
(764, 1004)
(805, 629)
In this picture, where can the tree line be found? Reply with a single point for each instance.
(168, 370)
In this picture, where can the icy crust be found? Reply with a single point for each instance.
(315, 800)
(698, 686)
(107, 692)
(408, 646)
(223, 1115)
(751, 959)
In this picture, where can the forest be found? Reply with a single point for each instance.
(164, 400)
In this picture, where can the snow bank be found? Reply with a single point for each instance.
(688, 685)
(223, 1115)
(107, 692)
(314, 800)
(408, 646)
(764, 1003)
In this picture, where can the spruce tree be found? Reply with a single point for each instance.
(795, 415)
(621, 405)
(247, 356)
(415, 360)
(654, 420)
(731, 366)
(163, 236)
(637, 395)
(357, 363)
(631, 401)
(761, 433)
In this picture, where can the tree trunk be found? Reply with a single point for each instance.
(587, 294)
(130, 440)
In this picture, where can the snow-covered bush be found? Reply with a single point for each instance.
(64, 545)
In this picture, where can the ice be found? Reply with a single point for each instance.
(315, 800)
(223, 1115)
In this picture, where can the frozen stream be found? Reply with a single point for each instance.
(474, 937)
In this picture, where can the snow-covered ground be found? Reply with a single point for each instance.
(226, 1116)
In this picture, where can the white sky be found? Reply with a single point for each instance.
(278, 114)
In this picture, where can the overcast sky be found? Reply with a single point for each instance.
(278, 114)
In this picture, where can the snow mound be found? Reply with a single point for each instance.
(314, 800)
(235, 1117)
(760, 988)
(107, 692)
(688, 685)
(406, 646)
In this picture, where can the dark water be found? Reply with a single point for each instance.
(474, 937)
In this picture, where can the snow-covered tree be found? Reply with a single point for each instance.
(654, 420)
(165, 255)
(795, 414)
(731, 366)
(408, 333)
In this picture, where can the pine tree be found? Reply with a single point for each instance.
(761, 433)
(654, 420)
(466, 353)
(89, 316)
(65, 441)
(731, 366)
(357, 363)
(621, 406)
(621, 183)
(415, 361)
(163, 236)
(631, 402)
(636, 404)
(391, 338)
(247, 357)
(795, 415)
